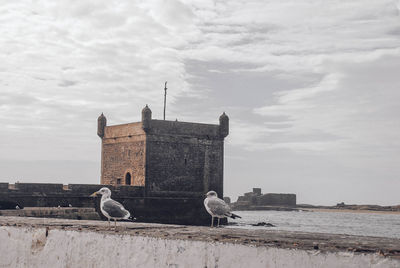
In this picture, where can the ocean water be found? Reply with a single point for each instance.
(366, 224)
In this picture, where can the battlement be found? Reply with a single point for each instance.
(164, 127)
(124, 130)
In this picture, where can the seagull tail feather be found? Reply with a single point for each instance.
(233, 216)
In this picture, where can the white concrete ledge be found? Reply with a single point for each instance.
(33, 242)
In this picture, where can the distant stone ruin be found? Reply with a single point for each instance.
(255, 200)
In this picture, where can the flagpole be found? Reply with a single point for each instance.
(165, 97)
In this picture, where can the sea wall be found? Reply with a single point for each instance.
(67, 243)
(162, 207)
(54, 212)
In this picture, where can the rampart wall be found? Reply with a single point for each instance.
(161, 207)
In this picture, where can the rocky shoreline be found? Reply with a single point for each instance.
(305, 207)
(341, 206)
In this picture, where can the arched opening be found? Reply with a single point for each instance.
(128, 179)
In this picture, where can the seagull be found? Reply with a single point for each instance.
(217, 207)
(111, 208)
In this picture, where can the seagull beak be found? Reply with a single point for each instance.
(94, 194)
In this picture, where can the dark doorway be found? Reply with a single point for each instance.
(128, 179)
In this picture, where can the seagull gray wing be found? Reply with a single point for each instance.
(115, 209)
(218, 207)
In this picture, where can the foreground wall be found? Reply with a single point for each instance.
(27, 247)
(30, 242)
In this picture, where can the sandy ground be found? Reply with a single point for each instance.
(351, 211)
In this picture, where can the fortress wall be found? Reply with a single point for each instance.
(75, 189)
(49, 195)
(173, 165)
(123, 151)
(185, 164)
(54, 195)
(185, 157)
(55, 212)
(122, 156)
(4, 186)
(86, 189)
(39, 187)
(162, 207)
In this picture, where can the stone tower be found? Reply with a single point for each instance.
(164, 156)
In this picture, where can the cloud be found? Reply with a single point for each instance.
(297, 78)
(293, 36)
(64, 63)
(330, 45)
(354, 102)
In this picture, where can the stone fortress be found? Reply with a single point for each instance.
(163, 156)
(158, 169)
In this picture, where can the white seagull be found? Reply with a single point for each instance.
(217, 207)
(111, 208)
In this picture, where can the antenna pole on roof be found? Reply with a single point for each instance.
(165, 97)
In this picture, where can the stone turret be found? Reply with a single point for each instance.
(223, 125)
(146, 118)
(101, 125)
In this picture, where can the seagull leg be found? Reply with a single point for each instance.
(109, 226)
(218, 223)
(212, 221)
(115, 224)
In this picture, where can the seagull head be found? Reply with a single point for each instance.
(211, 194)
(105, 192)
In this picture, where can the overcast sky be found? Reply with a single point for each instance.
(312, 88)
